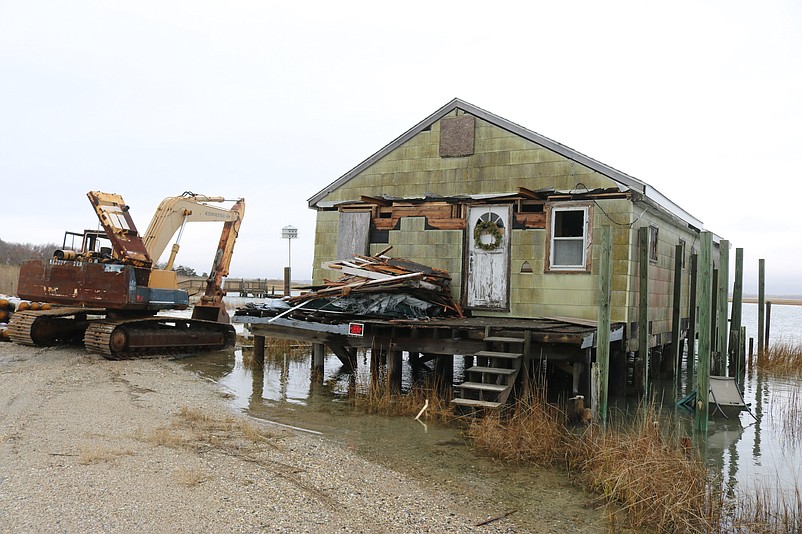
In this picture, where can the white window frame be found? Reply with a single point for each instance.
(583, 266)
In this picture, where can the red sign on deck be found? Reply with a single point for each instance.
(356, 329)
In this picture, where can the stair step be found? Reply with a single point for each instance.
(483, 387)
(502, 339)
(476, 403)
(494, 354)
(490, 370)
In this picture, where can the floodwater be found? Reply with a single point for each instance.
(757, 451)
(284, 392)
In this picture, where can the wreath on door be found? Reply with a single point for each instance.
(484, 228)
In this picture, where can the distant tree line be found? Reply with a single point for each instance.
(16, 253)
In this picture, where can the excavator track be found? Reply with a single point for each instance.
(42, 328)
(153, 336)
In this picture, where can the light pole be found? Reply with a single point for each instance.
(289, 233)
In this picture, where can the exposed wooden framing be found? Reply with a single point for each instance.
(376, 200)
(531, 220)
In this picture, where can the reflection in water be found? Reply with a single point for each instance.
(750, 454)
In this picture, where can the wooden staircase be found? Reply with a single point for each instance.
(489, 383)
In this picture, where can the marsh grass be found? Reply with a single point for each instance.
(645, 480)
(372, 396)
(782, 358)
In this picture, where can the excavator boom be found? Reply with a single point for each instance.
(115, 297)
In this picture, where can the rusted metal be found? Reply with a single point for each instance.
(120, 229)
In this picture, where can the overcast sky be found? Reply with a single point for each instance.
(272, 102)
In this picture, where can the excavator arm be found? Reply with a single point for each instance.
(211, 307)
(172, 215)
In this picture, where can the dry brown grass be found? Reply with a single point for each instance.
(782, 358)
(646, 481)
(195, 429)
(375, 398)
(189, 477)
(93, 454)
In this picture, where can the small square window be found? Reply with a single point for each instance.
(569, 238)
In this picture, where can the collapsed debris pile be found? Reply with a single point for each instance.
(374, 286)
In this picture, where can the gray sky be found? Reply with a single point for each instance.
(272, 102)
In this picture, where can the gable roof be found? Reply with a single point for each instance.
(625, 181)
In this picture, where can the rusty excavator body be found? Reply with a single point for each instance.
(109, 296)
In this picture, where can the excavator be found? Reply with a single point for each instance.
(109, 296)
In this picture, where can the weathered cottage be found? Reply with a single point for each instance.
(514, 217)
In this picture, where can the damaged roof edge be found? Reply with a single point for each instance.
(622, 178)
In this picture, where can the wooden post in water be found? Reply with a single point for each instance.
(259, 349)
(722, 301)
(768, 325)
(676, 352)
(603, 325)
(394, 363)
(761, 305)
(318, 357)
(643, 305)
(705, 329)
(692, 320)
(737, 307)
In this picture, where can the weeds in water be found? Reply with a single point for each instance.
(782, 358)
(374, 397)
(653, 482)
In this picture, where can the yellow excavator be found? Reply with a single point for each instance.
(113, 293)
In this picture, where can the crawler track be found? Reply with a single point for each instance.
(41, 328)
(148, 337)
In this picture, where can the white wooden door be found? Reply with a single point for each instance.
(488, 256)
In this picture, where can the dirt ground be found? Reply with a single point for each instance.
(89, 445)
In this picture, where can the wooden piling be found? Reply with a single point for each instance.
(692, 307)
(318, 357)
(704, 301)
(676, 351)
(715, 357)
(259, 349)
(286, 281)
(643, 305)
(768, 325)
(394, 363)
(761, 305)
(722, 302)
(603, 325)
(737, 310)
